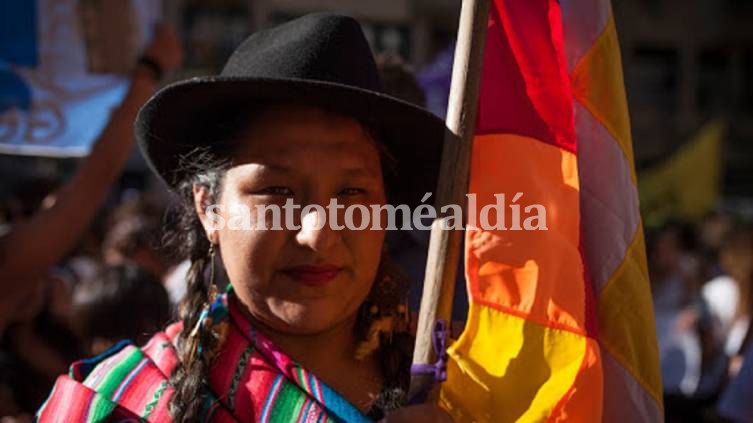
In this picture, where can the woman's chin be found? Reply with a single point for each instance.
(309, 319)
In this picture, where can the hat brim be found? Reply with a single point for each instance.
(167, 125)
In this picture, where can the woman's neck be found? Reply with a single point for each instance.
(336, 344)
(330, 355)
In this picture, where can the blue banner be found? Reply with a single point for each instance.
(53, 106)
(18, 32)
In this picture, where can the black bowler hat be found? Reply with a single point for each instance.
(321, 60)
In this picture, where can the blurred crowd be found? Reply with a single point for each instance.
(80, 262)
(115, 284)
(81, 268)
(701, 277)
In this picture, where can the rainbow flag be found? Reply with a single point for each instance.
(561, 323)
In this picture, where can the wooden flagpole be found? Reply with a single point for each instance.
(444, 246)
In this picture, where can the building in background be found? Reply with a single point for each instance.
(687, 62)
(415, 29)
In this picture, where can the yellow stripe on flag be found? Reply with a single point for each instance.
(525, 372)
(598, 84)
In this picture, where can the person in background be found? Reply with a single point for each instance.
(674, 272)
(35, 343)
(713, 231)
(135, 234)
(32, 246)
(40, 343)
(399, 79)
(136, 239)
(150, 204)
(124, 302)
(728, 299)
(735, 404)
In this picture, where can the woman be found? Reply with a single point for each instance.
(313, 325)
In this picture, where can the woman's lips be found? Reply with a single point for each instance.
(314, 275)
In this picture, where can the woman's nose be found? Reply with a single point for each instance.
(315, 232)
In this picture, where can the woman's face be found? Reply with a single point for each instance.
(305, 280)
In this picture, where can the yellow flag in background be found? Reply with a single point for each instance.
(685, 186)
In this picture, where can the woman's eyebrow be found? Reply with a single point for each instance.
(350, 170)
(270, 168)
(278, 167)
(359, 172)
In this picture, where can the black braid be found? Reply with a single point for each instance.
(189, 377)
(189, 239)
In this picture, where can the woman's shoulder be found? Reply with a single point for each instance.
(124, 382)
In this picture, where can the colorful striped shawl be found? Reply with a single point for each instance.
(251, 380)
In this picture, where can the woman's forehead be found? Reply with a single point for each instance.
(285, 136)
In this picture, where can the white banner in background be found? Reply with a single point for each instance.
(70, 106)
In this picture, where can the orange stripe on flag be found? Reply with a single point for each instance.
(531, 273)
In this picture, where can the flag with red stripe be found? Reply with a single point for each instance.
(560, 320)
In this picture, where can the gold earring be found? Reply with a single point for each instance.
(211, 254)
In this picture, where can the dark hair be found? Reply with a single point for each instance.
(134, 234)
(187, 238)
(122, 302)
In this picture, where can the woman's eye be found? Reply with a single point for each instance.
(276, 191)
(352, 191)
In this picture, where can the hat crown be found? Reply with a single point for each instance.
(322, 47)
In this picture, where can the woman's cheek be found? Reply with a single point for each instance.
(364, 218)
(249, 253)
(366, 246)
